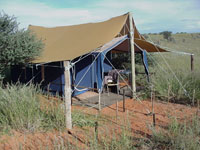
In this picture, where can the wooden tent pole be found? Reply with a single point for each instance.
(67, 98)
(131, 38)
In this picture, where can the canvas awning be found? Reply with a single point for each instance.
(68, 42)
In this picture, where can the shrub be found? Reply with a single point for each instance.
(166, 34)
(17, 46)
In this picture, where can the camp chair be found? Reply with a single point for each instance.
(112, 79)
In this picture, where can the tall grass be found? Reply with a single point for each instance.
(22, 110)
(165, 82)
(180, 89)
(179, 136)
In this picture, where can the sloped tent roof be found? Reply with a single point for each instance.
(68, 42)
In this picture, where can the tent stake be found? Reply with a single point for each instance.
(131, 38)
(116, 110)
(154, 119)
(99, 100)
(168, 94)
(193, 97)
(124, 100)
(197, 107)
(152, 100)
(96, 130)
(67, 90)
(192, 62)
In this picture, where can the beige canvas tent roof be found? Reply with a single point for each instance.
(68, 42)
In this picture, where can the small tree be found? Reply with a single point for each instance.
(166, 34)
(16, 46)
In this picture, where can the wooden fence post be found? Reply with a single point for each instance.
(67, 98)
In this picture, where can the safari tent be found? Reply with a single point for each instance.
(76, 57)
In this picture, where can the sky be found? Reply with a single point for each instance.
(151, 16)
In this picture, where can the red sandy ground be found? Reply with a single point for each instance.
(136, 112)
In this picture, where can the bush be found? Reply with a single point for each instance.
(17, 46)
(166, 34)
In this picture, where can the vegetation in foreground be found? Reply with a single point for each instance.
(21, 110)
(185, 135)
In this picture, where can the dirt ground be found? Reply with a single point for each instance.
(137, 113)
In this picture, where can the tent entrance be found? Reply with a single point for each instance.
(89, 71)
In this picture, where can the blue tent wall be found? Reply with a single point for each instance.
(94, 76)
(106, 64)
(84, 75)
(20, 74)
(53, 73)
(54, 77)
